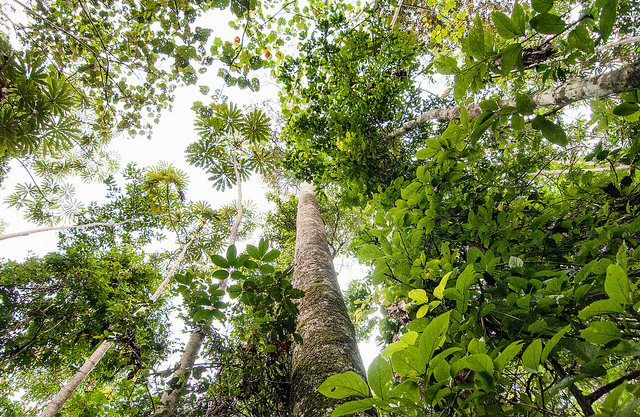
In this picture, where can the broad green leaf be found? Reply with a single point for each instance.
(542, 6)
(626, 109)
(379, 376)
(231, 254)
(432, 336)
(507, 355)
(532, 355)
(548, 24)
(505, 26)
(344, 385)
(478, 362)
(442, 371)
(580, 38)
(476, 39)
(616, 284)
(601, 332)
(408, 391)
(518, 18)
(524, 104)
(263, 245)
(466, 279)
(599, 307)
(517, 122)
(253, 252)
(271, 255)
(439, 290)
(511, 55)
(352, 407)
(548, 347)
(219, 261)
(370, 252)
(409, 362)
(422, 311)
(206, 315)
(446, 65)
(489, 105)
(551, 131)
(608, 18)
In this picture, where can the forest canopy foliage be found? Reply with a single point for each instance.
(499, 215)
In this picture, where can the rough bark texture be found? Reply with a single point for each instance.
(329, 342)
(618, 81)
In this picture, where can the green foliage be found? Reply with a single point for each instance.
(59, 308)
(347, 87)
(230, 141)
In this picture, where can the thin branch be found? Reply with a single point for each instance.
(611, 385)
(34, 181)
(48, 229)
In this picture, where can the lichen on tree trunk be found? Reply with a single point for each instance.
(329, 342)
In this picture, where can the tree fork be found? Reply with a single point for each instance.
(329, 343)
(621, 80)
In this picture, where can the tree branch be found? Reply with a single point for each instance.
(621, 80)
(611, 385)
(48, 229)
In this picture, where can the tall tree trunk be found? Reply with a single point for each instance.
(329, 341)
(617, 81)
(169, 399)
(67, 391)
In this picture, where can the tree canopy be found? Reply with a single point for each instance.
(478, 157)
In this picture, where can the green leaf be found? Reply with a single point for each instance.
(253, 252)
(505, 26)
(518, 18)
(419, 295)
(433, 335)
(478, 362)
(626, 109)
(601, 332)
(548, 347)
(608, 18)
(219, 261)
(548, 24)
(489, 105)
(616, 284)
(352, 407)
(524, 104)
(466, 279)
(220, 274)
(511, 55)
(271, 255)
(262, 247)
(206, 315)
(507, 355)
(380, 376)
(580, 38)
(551, 131)
(600, 307)
(409, 362)
(446, 65)
(439, 290)
(542, 6)
(231, 254)
(344, 385)
(531, 356)
(517, 122)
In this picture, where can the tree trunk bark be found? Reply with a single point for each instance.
(618, 81)
(67, 391)
(329, 342)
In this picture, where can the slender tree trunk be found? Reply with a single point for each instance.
(169, 399)
(329, 341)
(48, 229)
(618, 81)
(67, 391)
